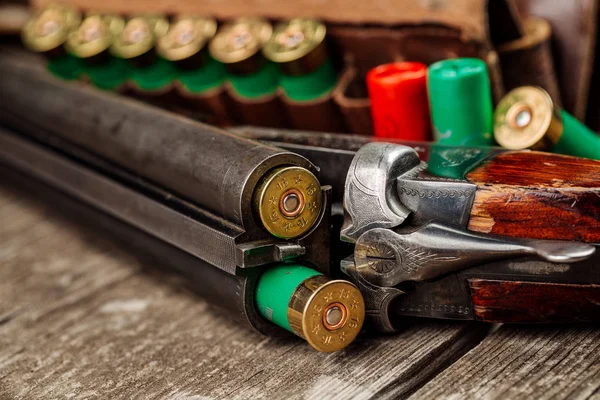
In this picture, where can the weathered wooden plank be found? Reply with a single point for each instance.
(525, 362)
(79, 319)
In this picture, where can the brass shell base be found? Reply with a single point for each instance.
(308, 307)
(542, 129)
(268, 201)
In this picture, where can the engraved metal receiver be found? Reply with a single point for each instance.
(415, 231)
(408, 227)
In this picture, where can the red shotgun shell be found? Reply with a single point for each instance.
(399, 104)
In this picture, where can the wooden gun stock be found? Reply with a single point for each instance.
(515, 301)
(537, 195)
(544, 196)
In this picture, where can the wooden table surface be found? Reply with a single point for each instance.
(81, 317)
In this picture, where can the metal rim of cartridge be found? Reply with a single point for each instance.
(139, 36)
(240, 41)
(328, 314)
(50, 27)
(186, 36)
(95, 34)
(288, 201)
(527, 118)
(298, 46)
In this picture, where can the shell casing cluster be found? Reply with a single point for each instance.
(288, 201)
(297, 45)
(58, 25)
(190, 51)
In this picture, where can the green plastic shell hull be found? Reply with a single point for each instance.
(310, 86)
(275, 288)
(264, 82)
(460, 101)
(66, 67)
(577, 140)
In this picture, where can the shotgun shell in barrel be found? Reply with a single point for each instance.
(328, 314)
(460, 101)
(399, 105)
(288, 201)
(238, 46)
(298, 47)
(528, 118)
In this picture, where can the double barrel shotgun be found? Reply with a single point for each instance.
(255, 222)
(251, 219)
(461, 232)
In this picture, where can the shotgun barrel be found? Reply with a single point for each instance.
(218, 205)
(209, 167)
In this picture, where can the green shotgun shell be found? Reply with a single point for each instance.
(328, 314)
(137, 39)
(263, 82)
(136, 44)
(184, 46)
(298, 48)
(47, 31)
(460, 101)
(90, 43)
(94, 36)
(209, 76)
(528, 118)
(66, 67)
(238, 46)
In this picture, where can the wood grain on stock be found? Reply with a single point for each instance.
(513, 301)
(537, 195)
